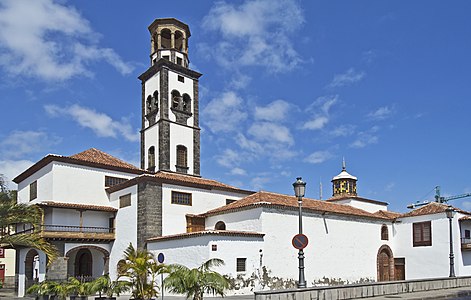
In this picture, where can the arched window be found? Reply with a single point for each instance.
(176, 99)
(186, 103)
(165, 39)
(220, 225)
(156, 100)
(178, 40)
(149, 104)
(151, 157)
(384, 233)
(181, 156)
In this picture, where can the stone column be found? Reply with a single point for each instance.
(172, 39)
(106, 264)
(58, 269)
(159, 41)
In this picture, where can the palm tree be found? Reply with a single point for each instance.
(13, 213)
(140, 266)
(195, 282)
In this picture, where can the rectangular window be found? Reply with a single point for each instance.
(214, 247)
(229, 201)
(179, 61)
(422, 234)
(111, 181)
(2, 253)
(166, 57)
(181, 78)
(241, 262)
(33, 190)
(181, 198)
(125, 201)
(467, 234)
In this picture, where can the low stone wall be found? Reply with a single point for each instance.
(357, 291)
(9, 282)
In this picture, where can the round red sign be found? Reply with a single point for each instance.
(300, 241)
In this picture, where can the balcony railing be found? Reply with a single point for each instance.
(466, 244)
(67, 232)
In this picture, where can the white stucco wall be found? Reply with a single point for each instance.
(427, 261)
(44, 178)
(339, 247)
(151, 138)
(126, 226)
(183, 88)
(9, 262)
(203, 200)
(365, 205)
(246, 220)
(150, 86)
(71, 217)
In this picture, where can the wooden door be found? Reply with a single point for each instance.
(383, 263)
(400, 268)
(2, 274)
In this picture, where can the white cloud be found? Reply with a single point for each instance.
(101, 124)
(49, 41)
(275, 111)
(343, 130)
(316, 123)
(238, 171)
(229, 158)
(389, 187)
(259, 182)
(321, 109)
(381, 113)
(364, 139)
(347, 78)
(318, 157)
(256, 33)
(20, 143)
(224, 113)
(12, 168)
(271, 132)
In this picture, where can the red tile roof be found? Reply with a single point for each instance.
(387, 214)
(181, 179)
(207, 232)
(290, 202)
(99, 157)
(77, 206)
(91, 158)
(432, 208)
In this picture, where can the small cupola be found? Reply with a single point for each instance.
(169, 40)
(344, 184)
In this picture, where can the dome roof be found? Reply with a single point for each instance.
(344, 175)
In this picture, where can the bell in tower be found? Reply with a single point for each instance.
(170, 135)
(344, 184)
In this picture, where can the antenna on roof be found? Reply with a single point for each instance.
(344, 165)
(320, 188)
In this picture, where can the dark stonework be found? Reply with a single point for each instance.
(196, 130)
(152, 117)
(143, 123)
(57, 270)
(149, 211)
(164, 125)
(172, 56)
(196, 151)
(181, 116)
(183, 170)
(164, 145)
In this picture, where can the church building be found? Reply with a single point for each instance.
(95, 205)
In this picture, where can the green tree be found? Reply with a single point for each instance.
(195, 282)
(141, 267)
(13, 213)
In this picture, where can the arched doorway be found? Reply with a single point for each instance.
(385, 264)
(83, 263)
(31, 268)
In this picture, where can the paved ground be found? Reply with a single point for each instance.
(457, 293)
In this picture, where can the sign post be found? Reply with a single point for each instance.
(300, 241)
(160, 259)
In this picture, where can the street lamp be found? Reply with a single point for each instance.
(299, 190)
(449, 214)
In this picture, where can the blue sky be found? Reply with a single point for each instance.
(289, 88)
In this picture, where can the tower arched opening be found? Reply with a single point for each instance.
(165, 39)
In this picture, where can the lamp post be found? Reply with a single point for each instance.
(449, 214)
(299, 190)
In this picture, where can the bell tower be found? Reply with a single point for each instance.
(344, 184)
(170, 134)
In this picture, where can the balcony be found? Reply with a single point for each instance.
(74, 233)
(465, 244)
(65, 232)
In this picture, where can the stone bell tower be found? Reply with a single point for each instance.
(170, 134)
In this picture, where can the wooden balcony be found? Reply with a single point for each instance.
(465, 244)
(74, 233)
